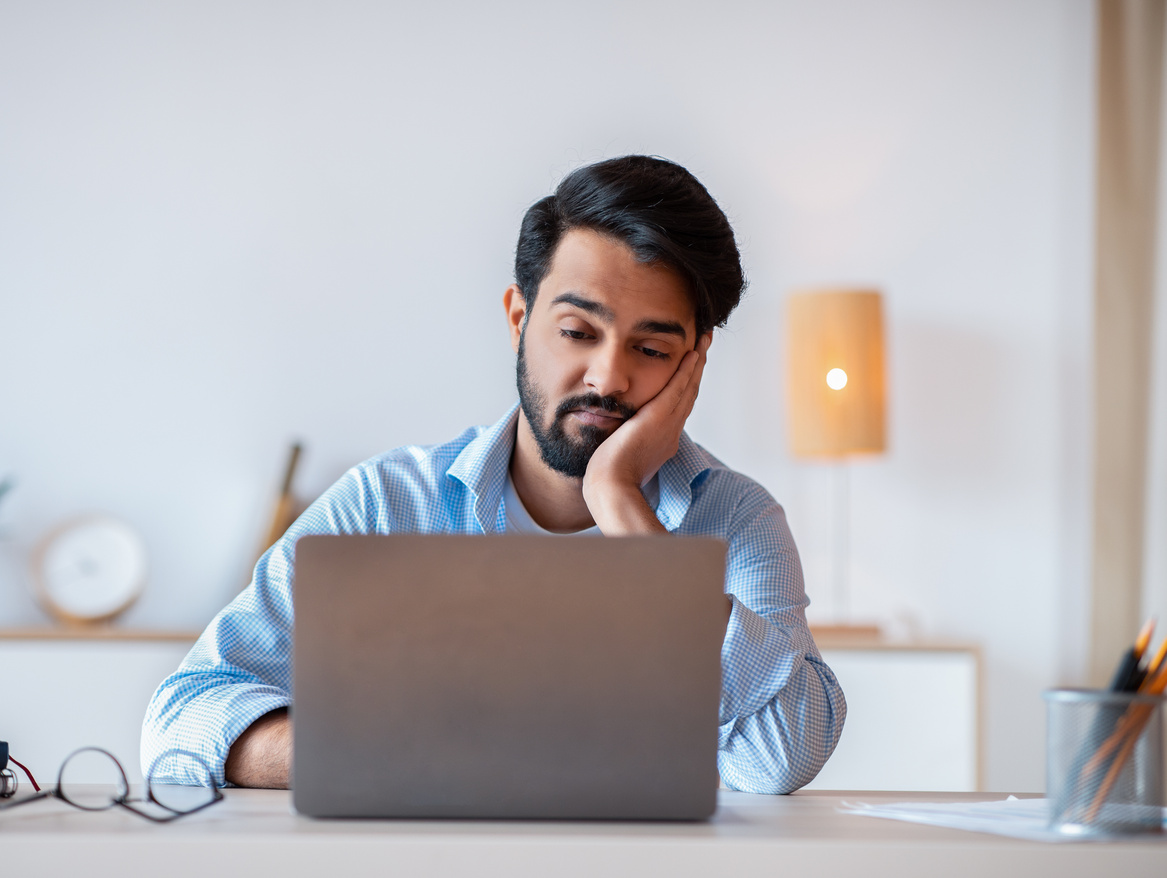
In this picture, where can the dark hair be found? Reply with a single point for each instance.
(655, 207)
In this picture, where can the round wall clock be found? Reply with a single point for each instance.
(89, 569)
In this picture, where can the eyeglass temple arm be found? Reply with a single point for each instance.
(27, 773)
(6, 757)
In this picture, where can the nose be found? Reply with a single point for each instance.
(608, 371)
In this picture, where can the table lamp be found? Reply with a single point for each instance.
(836, 394)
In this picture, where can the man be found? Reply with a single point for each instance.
(620, 278)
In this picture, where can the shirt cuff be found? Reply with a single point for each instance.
(208, 725)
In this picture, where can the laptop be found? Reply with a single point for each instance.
(504, 677)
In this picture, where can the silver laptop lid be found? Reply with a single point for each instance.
(507, 676)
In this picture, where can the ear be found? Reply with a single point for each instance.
(516, 308)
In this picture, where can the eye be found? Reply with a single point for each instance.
(654, 354)
(573, 334)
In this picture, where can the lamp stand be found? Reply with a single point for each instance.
(843, 629)
(842, 572)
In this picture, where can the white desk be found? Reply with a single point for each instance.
(253, 833)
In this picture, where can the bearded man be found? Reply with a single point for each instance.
(621, 277)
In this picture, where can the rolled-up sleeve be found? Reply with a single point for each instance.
(239, 669)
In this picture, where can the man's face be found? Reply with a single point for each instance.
(605, 335)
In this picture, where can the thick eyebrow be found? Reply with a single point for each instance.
(661, 327)
(589, 305)
(648, 327)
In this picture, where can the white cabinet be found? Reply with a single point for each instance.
(912, 719)
(59, 694)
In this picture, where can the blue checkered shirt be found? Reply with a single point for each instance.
(781, 707)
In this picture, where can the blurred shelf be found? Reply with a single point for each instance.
(96, 632)
(825, 636)
(871, 637)
(847, 635)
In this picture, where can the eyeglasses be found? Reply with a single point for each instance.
(75, 786)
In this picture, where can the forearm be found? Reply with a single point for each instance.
(262, 756)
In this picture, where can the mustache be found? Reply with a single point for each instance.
(594, 400)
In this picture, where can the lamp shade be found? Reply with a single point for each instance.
(835, 372)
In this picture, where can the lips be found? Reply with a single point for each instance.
(596, 418)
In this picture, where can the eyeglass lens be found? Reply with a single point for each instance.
(92, 779)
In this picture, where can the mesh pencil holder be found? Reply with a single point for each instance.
(1104, 762)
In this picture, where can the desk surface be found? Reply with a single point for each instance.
(254, 833)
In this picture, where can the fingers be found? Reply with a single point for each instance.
(692, 386)
(681, 391)
(677, 389)
(702, 357)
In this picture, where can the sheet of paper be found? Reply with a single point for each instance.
(1017, 818)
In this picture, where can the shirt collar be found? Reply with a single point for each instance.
(483, 464)
(482, 467)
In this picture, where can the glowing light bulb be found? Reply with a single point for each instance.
(836, 379)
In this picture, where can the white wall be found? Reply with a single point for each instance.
(225, 225)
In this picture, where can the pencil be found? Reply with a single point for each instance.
(1157, 660)
(1129, 676)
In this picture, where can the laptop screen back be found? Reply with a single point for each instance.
(507, 676)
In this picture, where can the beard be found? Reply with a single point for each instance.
(565, 454)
